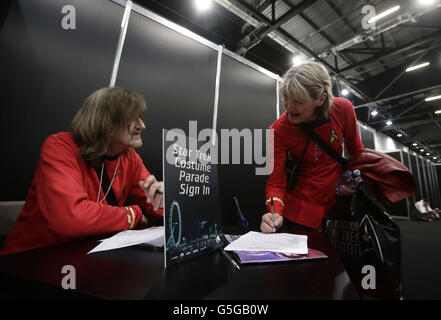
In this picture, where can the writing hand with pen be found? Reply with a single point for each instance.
(271, 221)
(154, 192)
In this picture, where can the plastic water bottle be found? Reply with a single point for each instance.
(350, 179)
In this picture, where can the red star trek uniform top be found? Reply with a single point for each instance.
(314, 193)
(61, 204)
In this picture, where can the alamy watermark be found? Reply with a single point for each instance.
(209, 152)
(368, 282)
(69, 21)
(69, 280)
(367, 23)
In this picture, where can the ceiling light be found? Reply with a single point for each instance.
(297, 60)
(388, 123)
(438, 111)
(422, 65)
(399, 135)
(374, 113)
(383, 14)
(426, 2)
(422, 150)
(202, 5)
(414, 144)
(433, 98)
(427, 154)
(434, 158)
(345, 92)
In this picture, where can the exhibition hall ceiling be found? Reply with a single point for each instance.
(368, 47)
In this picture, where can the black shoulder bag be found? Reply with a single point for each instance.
(365, 236)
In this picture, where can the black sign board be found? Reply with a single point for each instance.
(192, 215)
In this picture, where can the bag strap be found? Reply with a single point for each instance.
(332, 153)
(303, 153)
(293, 174)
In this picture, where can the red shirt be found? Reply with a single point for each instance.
(61, 204)
(314, 193)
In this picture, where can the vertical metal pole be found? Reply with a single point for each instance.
(277, 99)
(216, 93)
(122, 37)
(412, 171)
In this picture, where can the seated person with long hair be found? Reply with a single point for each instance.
(83, 177)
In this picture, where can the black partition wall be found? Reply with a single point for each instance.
(423, 192)
(367, 137)
(175, 74)
(407, 161)
(47, 72)
(400, 208)
(50, 71)
(423, 174)
(437, 189)
(437, 173)
(247, 101)
(430, 184)
(416, 173)
(433, 186)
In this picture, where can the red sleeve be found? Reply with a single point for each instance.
(140, 173)
(64, 201)
(351, 134)
(276, 183)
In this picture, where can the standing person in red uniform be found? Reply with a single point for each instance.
(83, 177)
(306, 92)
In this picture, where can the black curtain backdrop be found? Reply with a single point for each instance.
(399, 208)
(175, 74)
(423, 177)
(47, 72)
(247, 99)
(50, 71)
(414, 168)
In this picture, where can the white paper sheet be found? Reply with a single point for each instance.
(151, 236)
(273, 242)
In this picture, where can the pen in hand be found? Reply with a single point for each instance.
(272, 212)
(230, 259)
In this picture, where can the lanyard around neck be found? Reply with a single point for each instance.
(112, 199)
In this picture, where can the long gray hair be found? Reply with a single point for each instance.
(100, 118)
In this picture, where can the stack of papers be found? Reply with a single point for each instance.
(153, 236)
(270, 242)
